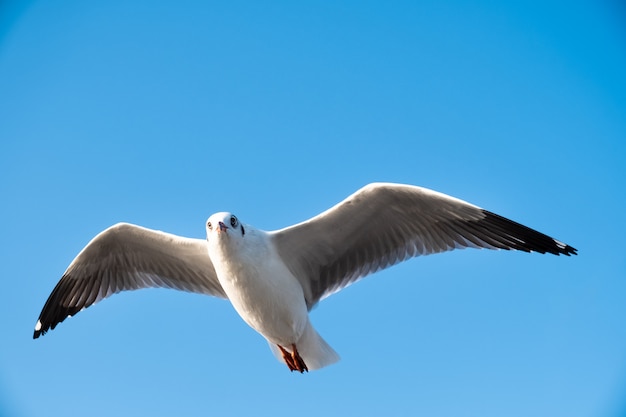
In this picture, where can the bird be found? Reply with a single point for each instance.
(274, 278)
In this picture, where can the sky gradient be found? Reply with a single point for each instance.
(162, 114)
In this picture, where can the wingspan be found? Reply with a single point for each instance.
(128, 257)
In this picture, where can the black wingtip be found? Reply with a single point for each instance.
(41, 329)
(566, 250)
(524, 238)
(38, 330)
(52, 314)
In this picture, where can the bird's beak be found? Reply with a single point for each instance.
(222, 227)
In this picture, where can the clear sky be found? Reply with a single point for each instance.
(162, 113)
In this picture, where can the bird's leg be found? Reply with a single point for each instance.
(288, 358)
(297, 359)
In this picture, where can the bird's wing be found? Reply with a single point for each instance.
(383, 224)
(129, 257)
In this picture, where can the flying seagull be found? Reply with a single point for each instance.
(273, 279)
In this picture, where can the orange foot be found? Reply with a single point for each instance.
(293, 360)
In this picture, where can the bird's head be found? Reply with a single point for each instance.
(223, 224)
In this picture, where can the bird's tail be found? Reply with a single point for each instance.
(314, 350)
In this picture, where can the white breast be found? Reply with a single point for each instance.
(260, 287)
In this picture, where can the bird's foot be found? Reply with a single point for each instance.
(288, 358)
(297, 360)
(293, 360)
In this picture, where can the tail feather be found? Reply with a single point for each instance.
(314, 350)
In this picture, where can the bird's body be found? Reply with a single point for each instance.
(274, 306)
(274, 278)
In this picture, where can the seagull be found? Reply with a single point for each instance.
(273, 279)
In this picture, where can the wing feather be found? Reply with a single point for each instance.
(383, 224)
(128, 257)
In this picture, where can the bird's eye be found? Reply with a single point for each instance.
(233, 221)
(209, 225)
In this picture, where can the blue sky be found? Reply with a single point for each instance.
(162, 114)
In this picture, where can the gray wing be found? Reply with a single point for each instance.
(129, 257)
(383, 224)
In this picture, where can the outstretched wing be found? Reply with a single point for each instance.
(383, 224)
(129, 257)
